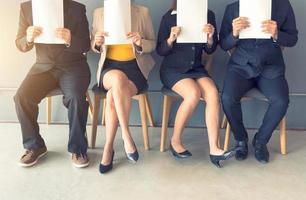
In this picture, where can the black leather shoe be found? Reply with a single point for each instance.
(261, 152)
(242, 150)
(216, 159)
(106, 168)
(185, 154)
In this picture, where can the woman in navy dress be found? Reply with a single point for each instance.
(183, 72)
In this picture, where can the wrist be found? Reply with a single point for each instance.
(169, 42)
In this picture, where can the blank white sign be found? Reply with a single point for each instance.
(117, 21)
(48, 14)
(256, 11)
(192, 17)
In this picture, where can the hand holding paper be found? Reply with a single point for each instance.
(175, 32)
(64, 34)
(32, 33)
(136, 38)
(239, 24)
(210, 31)
(100, 38)
(270, 27)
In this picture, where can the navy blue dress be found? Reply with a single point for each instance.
(182, 60)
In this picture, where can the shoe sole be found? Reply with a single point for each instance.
(34, 162)
(81, 166)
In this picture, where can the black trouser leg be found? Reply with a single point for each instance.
(235, 86)
(74, 89)
(277, 92)
(32, 90)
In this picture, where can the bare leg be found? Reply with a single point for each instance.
(212, 113)
(188, 89)
(122, 91)
(111, 128)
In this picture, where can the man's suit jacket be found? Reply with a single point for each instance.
(254, 57)
(49, 56)
(142, 23)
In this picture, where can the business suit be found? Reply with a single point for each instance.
(182, 60)
(141, 23)
(56, 66)
(257, 63)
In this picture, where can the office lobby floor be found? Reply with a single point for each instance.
(157, 176)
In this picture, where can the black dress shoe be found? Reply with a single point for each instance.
(225, 156)
(177, 155)
(106, 168)
(261, 152)
(242, 150)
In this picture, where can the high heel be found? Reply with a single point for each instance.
(106, 168)
(177, 155)
(132, 157)
(225, 156)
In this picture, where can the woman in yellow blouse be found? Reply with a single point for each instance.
(123, 72)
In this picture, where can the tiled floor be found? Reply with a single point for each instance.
(156, 175)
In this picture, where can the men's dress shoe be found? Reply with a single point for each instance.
(106, 168)
(261, 152)
(225, 156)
(31, 156)
(181, 155)
(80, 160)
(242, 150)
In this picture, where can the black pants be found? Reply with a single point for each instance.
(35, 88)
(277, 92)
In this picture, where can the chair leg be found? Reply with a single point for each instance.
(103, 112)
(95, 118)
(49, 110)
(90, 109)
(165, 120)
(149, 111)
(227, 137)
(283, 146)
(224, 122)
(143, 116)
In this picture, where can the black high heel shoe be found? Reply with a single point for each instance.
(225, 156)
(106, 168)
(132, 157)
(185, 154)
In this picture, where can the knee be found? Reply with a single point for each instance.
(193, 96)
(119, 80)
(20, 97)
(75, 99)
(281, 103)
(228, 99)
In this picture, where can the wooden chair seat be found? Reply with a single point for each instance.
(145, 114)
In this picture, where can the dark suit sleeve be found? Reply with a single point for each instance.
(288, 33)
(21, 38)
(80, 39)
(212, 21)
(162, 47)
(227, 40)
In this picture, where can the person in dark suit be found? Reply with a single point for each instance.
(57, 66)
(257, 63)
(182, 71)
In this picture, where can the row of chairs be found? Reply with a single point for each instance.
(146, 114)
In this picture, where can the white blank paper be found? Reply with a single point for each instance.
(256, 11)
(48, 14)
(192, 17)
(117, 21)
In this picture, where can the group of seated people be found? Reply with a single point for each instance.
(123, 72)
